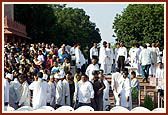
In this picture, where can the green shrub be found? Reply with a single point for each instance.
(134, 94)
(148, 103)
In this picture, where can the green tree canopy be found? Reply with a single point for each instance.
(58, 24)
(140, 23)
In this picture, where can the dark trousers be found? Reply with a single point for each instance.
(121, 64)
(98, 103)
(145, 71)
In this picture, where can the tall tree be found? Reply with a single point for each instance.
(140, 23)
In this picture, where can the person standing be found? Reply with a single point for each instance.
(115, 56)
(59, 101)
(110, 58)
(155, 55)
(25, 92)
(160, 75)
(14, 93)
(91, 68)
(84, 93)
(98, 87)
(71, 87)
(94, 52)
(122, 56)
(145, 60)
(132, 54)
(103, 57)
(115, 86)
(125, 91)
(40, 91)
(52, 85)
(106, 102)
(138, 51)
(7, 80)
(80, 59)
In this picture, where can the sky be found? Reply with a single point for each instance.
(103, 15)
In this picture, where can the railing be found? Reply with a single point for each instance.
(14, 25)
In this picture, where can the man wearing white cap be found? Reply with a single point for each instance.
(7, 80)
(52, 85)
(59, 90)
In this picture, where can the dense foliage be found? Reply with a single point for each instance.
(140, 23)
(57, 23)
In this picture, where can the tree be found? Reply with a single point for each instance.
(140, 23)
(57, 23)
(39, 20)
(74, 26)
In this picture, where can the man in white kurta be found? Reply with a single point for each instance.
(91, 68)
(7, 80)
(132, 54)
(160, 77)
(125, 91)
(115, 86)
(80, 59)
(14, 93)
(52, 85)
(110, 57)
(94, 52)
(25, 92)
(155, 55)
(59, 98)
(138, 51)
(103, 57)
(115, 55)
(66, 93)
(85, 92)
(40, 90)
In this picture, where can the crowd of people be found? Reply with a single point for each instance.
(44, 75)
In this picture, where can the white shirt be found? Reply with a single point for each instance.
(72, 51)
(59, 93)
(103, 55)
(145, 57)
(40, 58)
(90, 69)
(6, 90)
(135, 83)
(116, 53)
(115, 81)
(25, 96)
(93, 52)
(14, 92)
(85, 92)
(52, 86)
(122, 51)
(109, 52)
(160, 74)
(79, 57)
(66, 92)
(40, 90)
(132, 54)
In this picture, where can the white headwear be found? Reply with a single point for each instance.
(58, 76)
(45, 76)
(10, 76)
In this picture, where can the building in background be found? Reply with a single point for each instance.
(13, 30)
